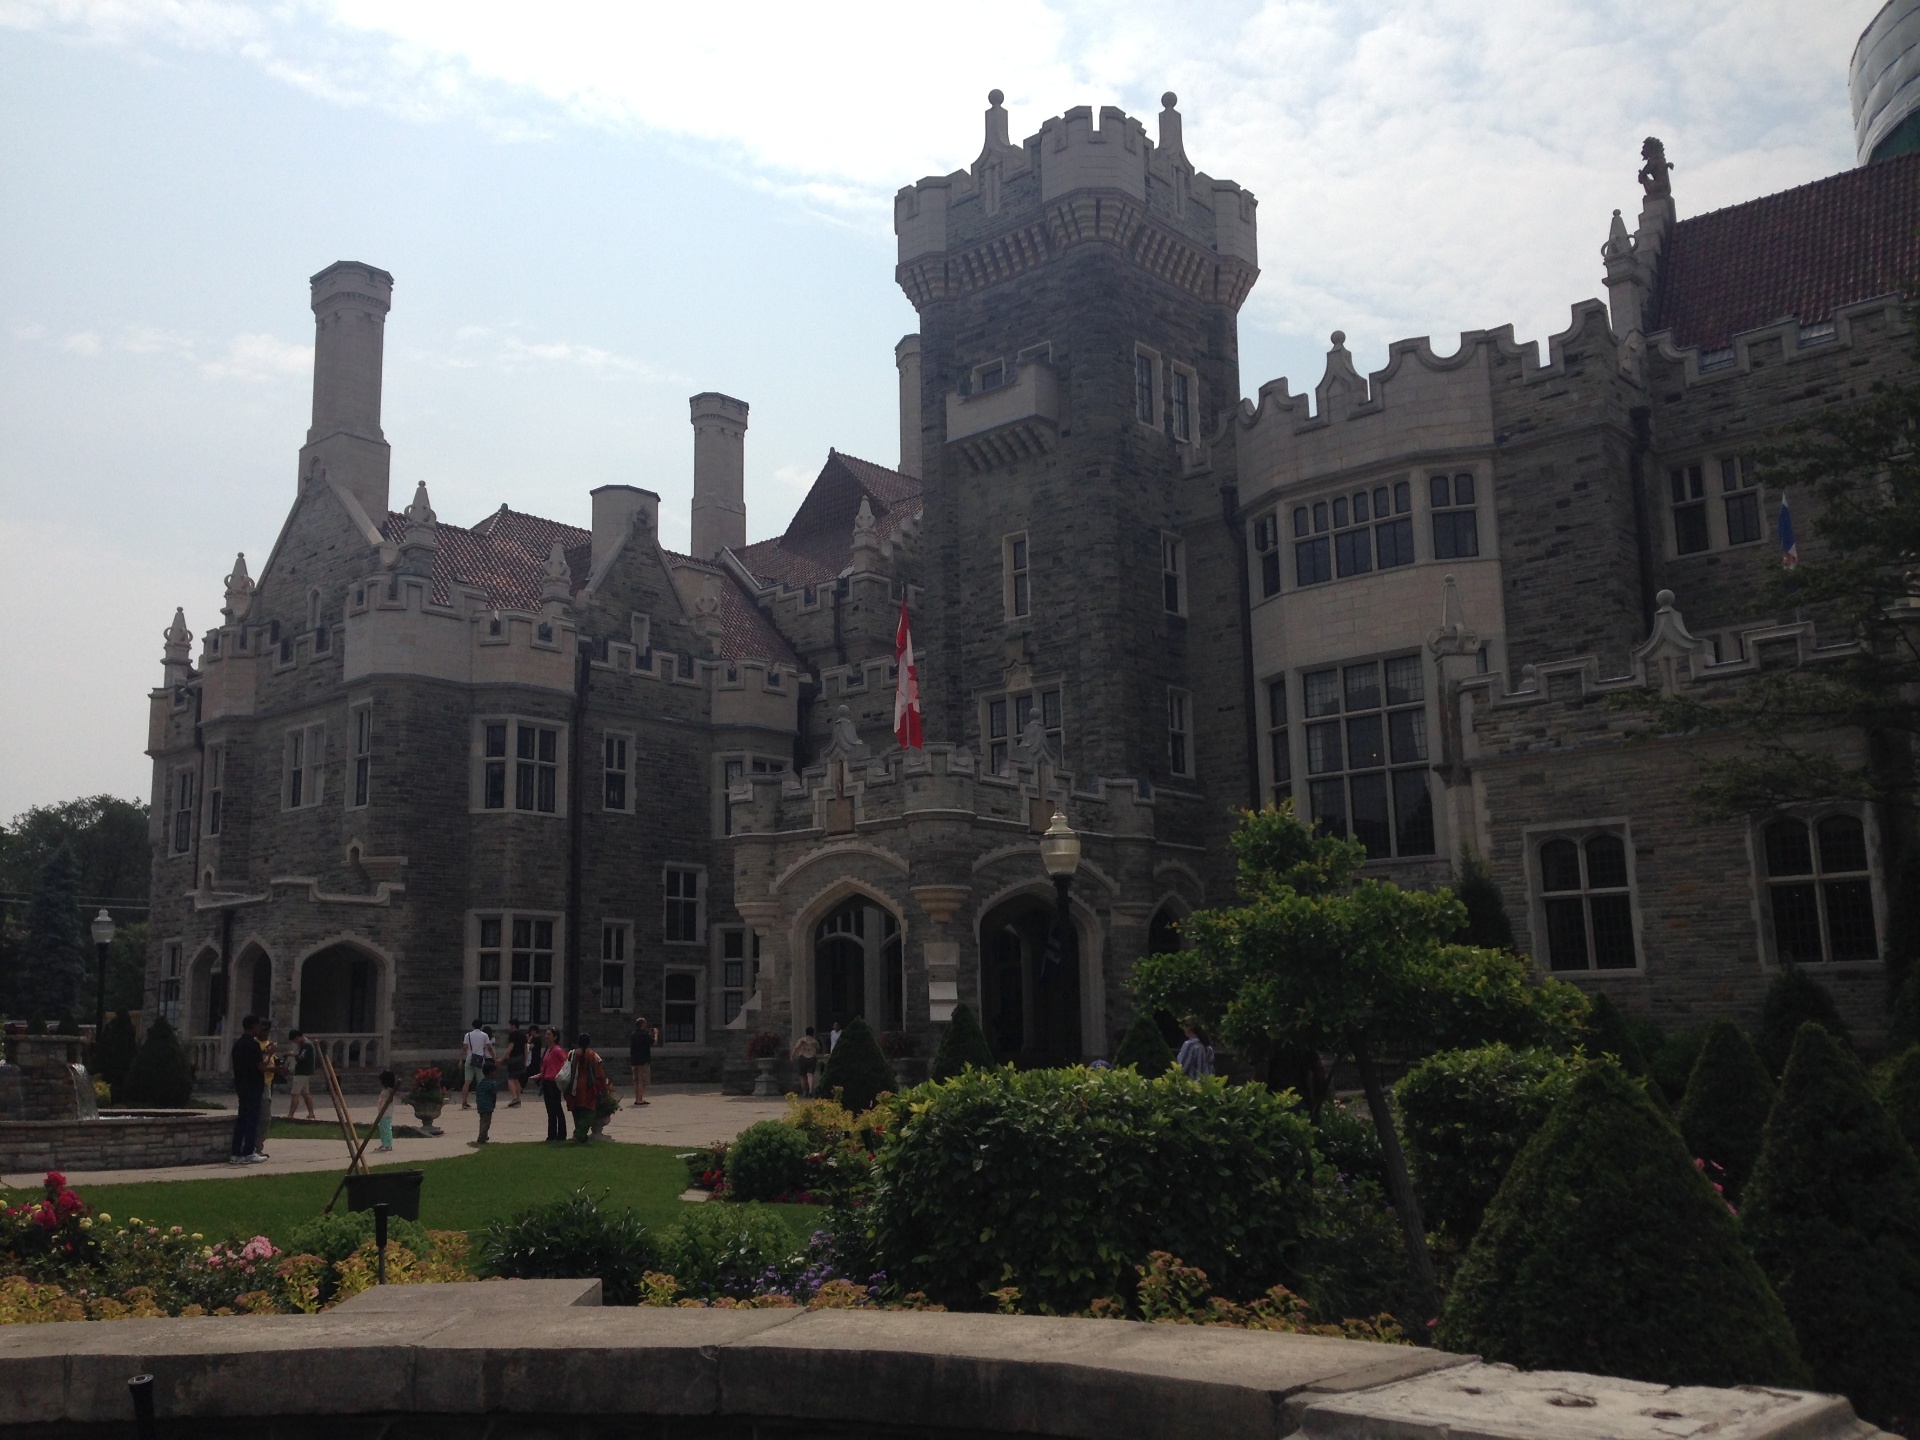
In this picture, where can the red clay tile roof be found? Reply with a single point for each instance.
(819, 539)
(1798, 255)
(505, 556)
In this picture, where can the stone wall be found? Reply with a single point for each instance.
(119, 1140)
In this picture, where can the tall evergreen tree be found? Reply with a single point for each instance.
(1612, 1037)
(1833, 1216)
(161, 1074)
(1794, 998)
(1143, 1048)
(1487, 927)
(1900, 1093)
(113, 1051)
(1903, 1025)
(1728, 1096)
(964, 1043)
(858, 1068)
(1606, 1251)
(53, 964)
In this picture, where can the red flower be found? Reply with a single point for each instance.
(55, 1180)
(44, 1217)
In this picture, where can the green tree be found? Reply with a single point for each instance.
(160, 1076)
(964, 1043)
(1487, 926)
(1606, 1251)
(1903, 1025)
(1612, 1037)
(1852, 474)
(52, 967)
(1728, 1097)
(113, 1052)
(107, 837)
(857, 1068)
(1900, 1093)
(1142, 1047)
(1315, 956)
(1833, 1216)
(1794, 998)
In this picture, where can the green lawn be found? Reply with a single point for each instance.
(460, 1193)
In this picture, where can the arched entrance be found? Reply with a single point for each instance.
(250, 991)
(1163, 931)
(857, 966)
(1030, 999)
(339, 989)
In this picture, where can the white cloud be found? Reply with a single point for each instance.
(260, 358)
(26, 330)
(796, 477)
(84, 343)
(477, 346)
(148, 340)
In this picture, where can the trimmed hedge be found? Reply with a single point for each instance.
(160, 1076)
(1672, 1064)
(964, 1043)
(1612, 1035)
(1143, 1048)
(568, 1238)
(1833, 1215)
(1466, 1115)
(1606, 1251)
(1903, 1024)
(1728, 1097)
(1794, 998)
(728, 1249)
(857, 1070)
(1058, 1182)
(768, 1160)
(113, 1052)
(1900, 1093)
(1487, 926)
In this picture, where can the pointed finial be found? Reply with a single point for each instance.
(557, 562)
(239, 589)
(420, 512)
(996, 122)
(1169, 100)
(179, 639)
(1339, 338)
(995, 98)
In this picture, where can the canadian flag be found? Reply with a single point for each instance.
(906, 686)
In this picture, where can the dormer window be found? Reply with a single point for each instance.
(773, 679)
(990, 376)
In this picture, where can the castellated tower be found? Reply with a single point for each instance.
(345, 443)
(1077, 296)
(719, 473)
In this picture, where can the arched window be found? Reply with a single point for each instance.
(1587, 903)
(1819, 892)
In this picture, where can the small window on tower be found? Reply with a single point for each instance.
(1688, 490)
(1266, 548)
(1018, 586)
(1146, 389)
(1182, 413)
(1173, 574)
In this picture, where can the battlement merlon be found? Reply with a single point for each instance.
(1071, 154)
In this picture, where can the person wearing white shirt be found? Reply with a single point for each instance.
(475, 1050)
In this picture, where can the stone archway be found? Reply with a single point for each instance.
(340, 988)
(857, 966)
(1163, 931)
(1030, 1002)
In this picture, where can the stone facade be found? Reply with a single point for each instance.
(539, 770)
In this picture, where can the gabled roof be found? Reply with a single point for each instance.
(505, 556)
(818, 543)
(1800, 254)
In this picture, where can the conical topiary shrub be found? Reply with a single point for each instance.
(113, 1052)
(1143, 1048)
(1794, 998)
(963, 1044)
(160, 1075)
(1487, 926)
(1903, 1025)
(857, 1068)
(1606, 1251)
(1833, 1216)
(1900, 1093)
(1612, 1037)
(1728, 1097)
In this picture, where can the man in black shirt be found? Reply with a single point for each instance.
(249, 1085)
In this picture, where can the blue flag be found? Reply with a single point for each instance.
(1789, 551)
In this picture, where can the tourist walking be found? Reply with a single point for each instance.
(587, 1083)
(306, 1059)
(248, 1061)
(553, 1060)
(1196, 1056)
(833, 1037)
(389, 1097)
(640, 1057)
(486, 1093)
(806, 1059)
(476, 1048)
(516, 1062)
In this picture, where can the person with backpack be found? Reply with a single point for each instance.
(306, 1060)
(1196, 1056)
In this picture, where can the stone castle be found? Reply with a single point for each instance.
(532, 770)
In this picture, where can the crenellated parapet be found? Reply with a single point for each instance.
(1077, 182)
(1785, 342)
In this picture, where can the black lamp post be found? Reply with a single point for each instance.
(1060, 854)
(102, 939)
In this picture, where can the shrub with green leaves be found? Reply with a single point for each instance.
(1143, 1048)
(1058, 1182)
(1345, 1137)
(1467, 1114)
(113, 1052)
(1833, 1215)
(1487, 925)
(161, 1075)
(1728, 1097)
(334, 1237)
(1610, 1034)
(768, 1160)
(1900, 1093)
(964, 1043)
(571, 1238)
(1672, 1064)
(1352, 1263)
(1607, 1251)
(1903, 1023)
(1794, 998)
(857, 1070)
(729, 1250)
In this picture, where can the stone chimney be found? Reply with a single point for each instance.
(614, 510)
(345, 443)
(719, 473)
(906, 355)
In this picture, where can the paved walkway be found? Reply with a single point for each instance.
(683, 1116)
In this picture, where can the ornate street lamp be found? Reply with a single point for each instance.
(102, 938)
(1060, 854)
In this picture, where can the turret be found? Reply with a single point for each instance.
(719, 473)
(345, 444)
(906, 357)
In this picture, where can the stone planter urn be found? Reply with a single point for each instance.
(426, 1113)
(763, 1083)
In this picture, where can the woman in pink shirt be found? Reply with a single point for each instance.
(550, 1063)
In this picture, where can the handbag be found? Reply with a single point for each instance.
(565, 1078)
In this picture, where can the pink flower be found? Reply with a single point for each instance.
(55, 1180)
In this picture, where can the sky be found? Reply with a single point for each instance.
(594, 209)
